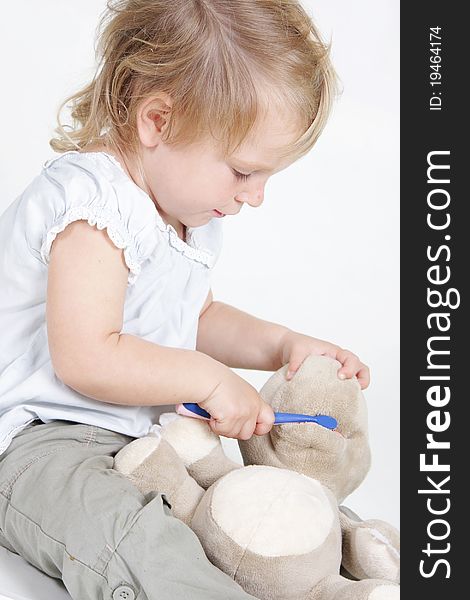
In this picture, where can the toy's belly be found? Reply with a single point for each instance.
(266, 524)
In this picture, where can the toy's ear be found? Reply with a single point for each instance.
(273, 386)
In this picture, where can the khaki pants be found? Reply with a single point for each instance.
(69, 513)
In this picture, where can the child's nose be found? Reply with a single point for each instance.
(254, 198)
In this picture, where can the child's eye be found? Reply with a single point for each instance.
(240, 176)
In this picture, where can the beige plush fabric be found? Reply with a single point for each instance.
(164, 472)
(371, 549)
(292, 514)
(275, 526)
(339, 460)
(212, 467)
(198, 447)
(291, 577)
(335, 587)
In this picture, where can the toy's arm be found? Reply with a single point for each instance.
(152, 465)
(371, 549)
(198, 447)
(336, 587)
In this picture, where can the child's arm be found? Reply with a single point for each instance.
(237, 339)
(85, 300)
(242, 341)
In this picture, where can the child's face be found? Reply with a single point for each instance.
(193, 185)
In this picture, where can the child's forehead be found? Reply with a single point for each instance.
(268, 145)
(265, 152)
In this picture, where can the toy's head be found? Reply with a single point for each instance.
(339, 459)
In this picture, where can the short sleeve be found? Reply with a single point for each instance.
(78, 186)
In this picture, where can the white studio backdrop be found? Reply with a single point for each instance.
(321, 255)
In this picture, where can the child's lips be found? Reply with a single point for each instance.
(217, 213)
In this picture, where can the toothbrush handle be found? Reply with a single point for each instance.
(280, 418)
(191, 409)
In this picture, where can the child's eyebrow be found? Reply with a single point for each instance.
(252, 166)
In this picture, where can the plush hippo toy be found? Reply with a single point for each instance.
(276, 525)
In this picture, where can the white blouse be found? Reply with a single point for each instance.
(168, 282)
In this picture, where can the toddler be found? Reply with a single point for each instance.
(105, 303)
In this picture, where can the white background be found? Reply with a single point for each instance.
(322, 254)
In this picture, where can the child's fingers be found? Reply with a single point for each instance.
(225, 427)
(262, 428)
(353, 366)
(265, 420)
(350, 362)
(294, 365)
(246, 430)
(363, 377)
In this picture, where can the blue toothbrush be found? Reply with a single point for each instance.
(194, 410)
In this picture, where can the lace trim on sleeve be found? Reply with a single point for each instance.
(103, 219)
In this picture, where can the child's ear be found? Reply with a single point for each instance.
(152, 119)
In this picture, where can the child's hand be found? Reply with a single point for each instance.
(295, 347)
(237, 409)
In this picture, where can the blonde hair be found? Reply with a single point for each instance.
(217, 59)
